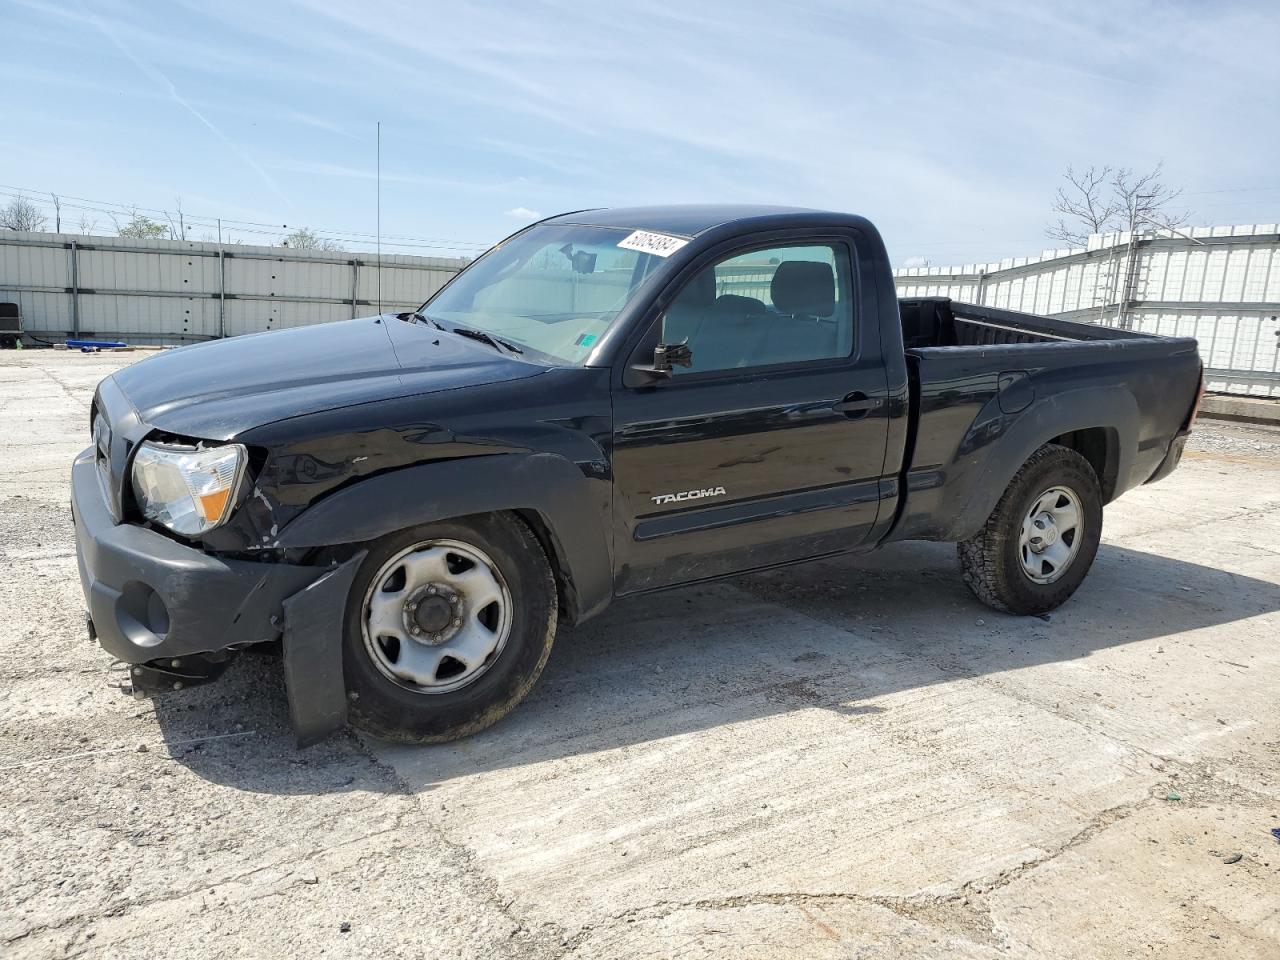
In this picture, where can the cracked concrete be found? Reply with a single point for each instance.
(847, 759)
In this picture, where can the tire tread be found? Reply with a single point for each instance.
(387, 721)
(982, 557)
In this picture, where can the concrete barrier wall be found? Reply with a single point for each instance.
(172, 291)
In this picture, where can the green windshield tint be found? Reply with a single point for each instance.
(554, 288)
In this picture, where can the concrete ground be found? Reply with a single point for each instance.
(848, 759)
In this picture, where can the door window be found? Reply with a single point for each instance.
(779, 305)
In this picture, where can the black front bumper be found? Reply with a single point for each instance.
(175, 612)
(150, 597)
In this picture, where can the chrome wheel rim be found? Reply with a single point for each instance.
(436, 616)
(1052, 532)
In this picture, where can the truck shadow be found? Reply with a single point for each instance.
(836, 635)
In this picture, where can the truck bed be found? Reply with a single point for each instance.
(941, 322)
(982, 379)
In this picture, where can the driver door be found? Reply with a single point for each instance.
(770, 446)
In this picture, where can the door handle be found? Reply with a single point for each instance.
(857, 404)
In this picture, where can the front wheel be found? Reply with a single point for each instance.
(448, 625)
(1040, 540)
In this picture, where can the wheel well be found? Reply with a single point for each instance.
(1100, 446)
(567, 596)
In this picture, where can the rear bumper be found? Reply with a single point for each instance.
(149, 597)
(1171, 459)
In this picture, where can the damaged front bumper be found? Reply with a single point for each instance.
(177, 615)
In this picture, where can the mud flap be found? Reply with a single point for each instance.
(313, 620)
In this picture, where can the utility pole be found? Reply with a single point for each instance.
(57, 213)
(1122, 278)
(222, 284)
(378, 249)
(1126, 281)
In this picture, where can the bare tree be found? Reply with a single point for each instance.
(1085, 205)
(21, 214)
(178, 226)
(86, 225)
(1106, 198)
(1145, 200)
(304, 239)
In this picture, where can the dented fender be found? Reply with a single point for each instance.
(572, 508)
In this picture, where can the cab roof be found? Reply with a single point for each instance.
(687, 220)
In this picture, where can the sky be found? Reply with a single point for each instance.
(948, 123)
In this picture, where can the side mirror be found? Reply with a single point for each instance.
(665, 357)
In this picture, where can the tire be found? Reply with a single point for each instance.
(1002, 570)
(398, 687)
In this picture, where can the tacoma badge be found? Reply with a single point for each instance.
(688, 495)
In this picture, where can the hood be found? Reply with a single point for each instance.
(216, 390)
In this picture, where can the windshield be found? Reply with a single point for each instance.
(554, 288)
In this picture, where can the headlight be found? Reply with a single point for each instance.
(188, 489)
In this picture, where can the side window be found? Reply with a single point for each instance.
(780, 305)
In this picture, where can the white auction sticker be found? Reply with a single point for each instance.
(659, 244)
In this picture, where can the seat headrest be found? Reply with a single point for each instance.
(804, 287)
(699, 293)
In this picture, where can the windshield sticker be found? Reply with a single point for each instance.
(586, 340)
(659, 244)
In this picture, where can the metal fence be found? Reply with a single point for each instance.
(1220, 285)
(173, 291)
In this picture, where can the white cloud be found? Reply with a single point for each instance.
(524, 213)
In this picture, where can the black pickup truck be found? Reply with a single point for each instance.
(606, 403)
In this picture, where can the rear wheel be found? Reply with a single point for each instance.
(448, 627)
(1040, 540)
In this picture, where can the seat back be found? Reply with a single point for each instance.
(732, 334)
(804, 294)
